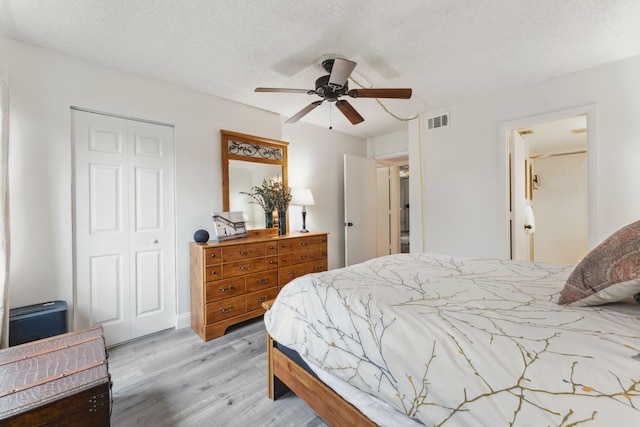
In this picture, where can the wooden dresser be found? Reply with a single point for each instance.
(231, 279)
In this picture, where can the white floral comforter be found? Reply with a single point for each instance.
(465, 342)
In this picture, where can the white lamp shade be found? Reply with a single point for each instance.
(302, 197)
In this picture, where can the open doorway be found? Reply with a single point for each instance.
(549, 190)
(392, 201)
(404, 208)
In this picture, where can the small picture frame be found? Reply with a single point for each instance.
(229, 225)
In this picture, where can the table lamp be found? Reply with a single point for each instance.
(302, 197)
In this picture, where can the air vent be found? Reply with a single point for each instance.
(438, 121)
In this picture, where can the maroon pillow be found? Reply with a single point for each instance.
(609, 273)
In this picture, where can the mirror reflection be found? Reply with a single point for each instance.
(242, 177)
(248, 160)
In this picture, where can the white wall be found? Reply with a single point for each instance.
(44, 84)
(464, 177)
(316, 161)
(388, 146)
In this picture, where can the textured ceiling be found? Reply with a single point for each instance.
(446, 50)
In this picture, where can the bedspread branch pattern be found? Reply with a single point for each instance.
(451, 340)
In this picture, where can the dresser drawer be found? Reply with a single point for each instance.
(287, 245)
(241, 268)
(292, 258)
(271, 248)
(271, 262)
(240, 252)
(212, 256)
(285, 259)
(222, 289)
(305, 243)
(254, 300)
(213, 272)
(316, 266)
(317, 241)
(287, 274)
(263, 280)
(316, 254)
(225, 308)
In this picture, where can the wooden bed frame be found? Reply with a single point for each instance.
(285, 375)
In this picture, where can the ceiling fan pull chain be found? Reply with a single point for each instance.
(330, 122)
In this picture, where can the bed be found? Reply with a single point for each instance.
(422, 339)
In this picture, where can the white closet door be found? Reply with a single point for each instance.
(151, 234)
(124, 225)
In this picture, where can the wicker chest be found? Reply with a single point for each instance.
(62, 380)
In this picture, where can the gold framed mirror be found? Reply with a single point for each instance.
(247, 160)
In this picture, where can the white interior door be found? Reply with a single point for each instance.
(124, 225)
(359, 209)
(560, 206)
(383, 209)
(520, 237)
(388, 208)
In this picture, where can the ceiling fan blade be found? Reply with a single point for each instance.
(349, 112)
(400, 93)
(300, 114)
(281, 89)
(340, 72)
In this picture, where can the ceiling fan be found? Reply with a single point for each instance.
(332, 86)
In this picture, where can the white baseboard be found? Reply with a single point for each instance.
(183, 321)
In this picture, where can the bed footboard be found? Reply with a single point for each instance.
(285, 374)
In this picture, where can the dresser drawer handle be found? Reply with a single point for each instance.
(272, 247)
(284, 260)
(273, 262)
(228, 288)
(317, 268)
(243, 252)
(244, 267)
(213, 255)
(304, 243)
(293, 273)
(263, 299)
(263, 281)
(305, 256)
(213, 272)
(226, 310)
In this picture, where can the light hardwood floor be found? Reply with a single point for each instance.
(173, 378)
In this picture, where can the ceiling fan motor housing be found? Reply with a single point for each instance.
(329, 92)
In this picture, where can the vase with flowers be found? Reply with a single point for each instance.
(272, 195)
(281, 196)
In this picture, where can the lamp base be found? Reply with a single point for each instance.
(304, 220)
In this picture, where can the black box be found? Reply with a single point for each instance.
(37, 321)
